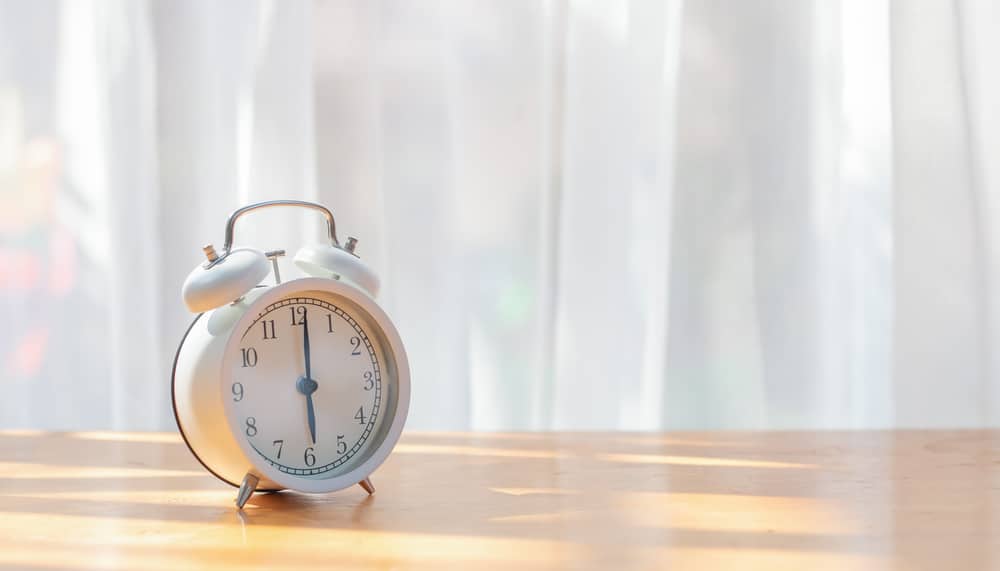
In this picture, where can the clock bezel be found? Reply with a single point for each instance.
(393, 351)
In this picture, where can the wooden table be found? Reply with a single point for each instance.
(826, 500)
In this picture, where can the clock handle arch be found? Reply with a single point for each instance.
(331, 224)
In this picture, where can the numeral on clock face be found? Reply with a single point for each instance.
(249, 357)
(268, 326)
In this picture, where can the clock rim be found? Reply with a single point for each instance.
(394, 350)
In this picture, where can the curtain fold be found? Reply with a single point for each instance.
(628, 215)
(941, 293)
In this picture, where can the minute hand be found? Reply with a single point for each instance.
(305, 343)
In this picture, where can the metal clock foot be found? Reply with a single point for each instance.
(367, 485)
(246, 489)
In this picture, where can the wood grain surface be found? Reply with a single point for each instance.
(782, 500)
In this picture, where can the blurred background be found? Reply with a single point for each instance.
(586, 214)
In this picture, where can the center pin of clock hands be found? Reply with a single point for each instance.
(306, 385)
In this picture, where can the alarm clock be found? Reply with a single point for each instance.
(300, 385)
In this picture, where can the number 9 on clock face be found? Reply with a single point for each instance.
(309, 385)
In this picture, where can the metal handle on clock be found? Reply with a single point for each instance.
(331, 225)
(231, 224)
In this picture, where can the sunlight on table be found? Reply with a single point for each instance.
(108, 500)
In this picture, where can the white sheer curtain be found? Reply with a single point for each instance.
(587, 215)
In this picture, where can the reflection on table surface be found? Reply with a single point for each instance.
(910, 499)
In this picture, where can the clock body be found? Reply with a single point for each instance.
(304, 384)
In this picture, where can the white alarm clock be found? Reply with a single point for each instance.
(301, 385)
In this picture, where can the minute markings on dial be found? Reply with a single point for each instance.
(375, 371)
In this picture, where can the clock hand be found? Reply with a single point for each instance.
(312, 417)
(305, 342)
(307, 385)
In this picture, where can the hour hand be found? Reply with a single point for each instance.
(307, 387)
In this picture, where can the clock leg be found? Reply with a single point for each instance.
(367, 485)
(246, 489)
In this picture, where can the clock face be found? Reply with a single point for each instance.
(309, 387)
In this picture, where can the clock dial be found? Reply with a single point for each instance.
(307, 385)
